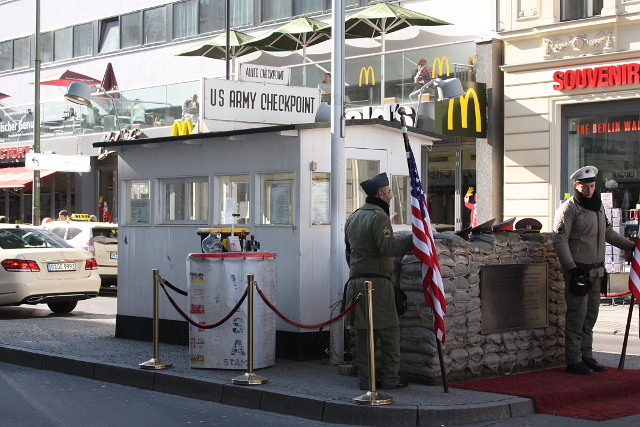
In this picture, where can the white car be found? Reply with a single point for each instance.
(38, 267)
(99, 238)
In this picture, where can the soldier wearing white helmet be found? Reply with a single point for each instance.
(580, 233)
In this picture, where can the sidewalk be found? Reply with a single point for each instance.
(84, 344)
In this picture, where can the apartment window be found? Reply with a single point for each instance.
(46, 47)
(242, 13)
(211, 15)
(579, 9)
(155, 24)
(63, 44)
(110, 35)
(21, 52)
(6, 55)
(277, 198)
(186, 199)
(185, 22)
(82, 40)
(276, 9)
(308, 6)
(131, 30)
(233, 197)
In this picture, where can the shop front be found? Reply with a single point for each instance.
(572, 108)
(74, 192)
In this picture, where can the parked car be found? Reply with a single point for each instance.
(99, 238)
(39, 267)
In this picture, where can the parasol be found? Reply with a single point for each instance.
(65, 78)
(216, 47)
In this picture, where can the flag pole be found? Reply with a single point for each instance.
(443, 372)
(626, 335)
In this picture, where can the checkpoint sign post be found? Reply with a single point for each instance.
(57, 162)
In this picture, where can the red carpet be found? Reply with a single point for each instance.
(598, 397)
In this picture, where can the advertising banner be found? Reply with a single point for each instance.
(259, 102)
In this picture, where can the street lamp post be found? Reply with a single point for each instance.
(35, 202)
(338, 177)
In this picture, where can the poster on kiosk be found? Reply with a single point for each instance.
(216, 282)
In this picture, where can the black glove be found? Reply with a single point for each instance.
(576, 272)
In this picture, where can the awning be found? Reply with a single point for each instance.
(19, 177)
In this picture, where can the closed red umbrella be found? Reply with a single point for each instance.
(65, 78)
(4, 95)
(109, 81)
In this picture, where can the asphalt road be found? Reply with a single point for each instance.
(31, 397)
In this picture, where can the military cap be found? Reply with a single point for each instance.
(505, 225)
(585, 174)
(371, 186)
(529, 225)
(485, 227)
(464, 233)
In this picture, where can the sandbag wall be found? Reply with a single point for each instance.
(468, 353)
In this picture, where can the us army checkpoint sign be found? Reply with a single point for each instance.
(259, 102)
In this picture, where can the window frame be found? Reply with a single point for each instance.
(141, 208)
(265, 204)
(104, 26)
(73, 40)
(184, 181)
(588, 6)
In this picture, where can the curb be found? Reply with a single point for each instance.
(299, 405)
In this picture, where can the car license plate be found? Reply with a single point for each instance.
(66, 266)
(113, 255)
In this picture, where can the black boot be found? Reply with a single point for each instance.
(579, 368)
(591, 363)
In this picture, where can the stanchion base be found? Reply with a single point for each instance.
(249, 378)
(155, 364)
(373, 398)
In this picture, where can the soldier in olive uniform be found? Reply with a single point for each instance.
(370, 246)
(580, 232)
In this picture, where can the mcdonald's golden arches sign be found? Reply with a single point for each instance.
(465, 115)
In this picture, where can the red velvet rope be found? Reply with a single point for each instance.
(180, 291)
(300, 325)
(621, 294)
(188, 319)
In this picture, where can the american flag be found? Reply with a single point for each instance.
(424, 247)
(634, 274)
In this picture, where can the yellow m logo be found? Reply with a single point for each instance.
(464, 105)
(439, 62)
(181, 128)
(366, 71)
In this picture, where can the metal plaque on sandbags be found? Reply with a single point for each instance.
(513, 296)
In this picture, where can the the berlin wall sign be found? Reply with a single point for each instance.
(259, 102)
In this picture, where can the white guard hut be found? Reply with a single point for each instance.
(260, 154)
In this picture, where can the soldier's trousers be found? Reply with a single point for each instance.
(582, 313)
(390, 355)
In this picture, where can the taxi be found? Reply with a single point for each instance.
(37, 267)
(99, 238)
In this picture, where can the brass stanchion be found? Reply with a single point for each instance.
(249, 378)
(372, 397)
(156, 362)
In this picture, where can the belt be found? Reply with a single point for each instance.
(367, 275)
(589, 267)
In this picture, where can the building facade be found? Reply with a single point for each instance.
(572, 87)
(165, 177)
